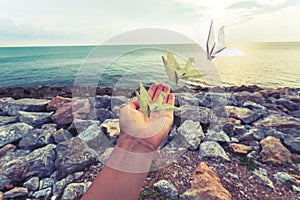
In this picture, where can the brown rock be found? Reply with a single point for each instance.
(239, 148)
(279, 122)
(206, 185)
(57, 102)
(7, 149)
(270, 93)
(274, 152)
(67, 109)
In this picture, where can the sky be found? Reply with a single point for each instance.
(92, 22)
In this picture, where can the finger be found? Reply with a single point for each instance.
(159, 89)
(167, 91)
(134, 104)
(171, 99)
(152, 90)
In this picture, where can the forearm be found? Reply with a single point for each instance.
(124, 173)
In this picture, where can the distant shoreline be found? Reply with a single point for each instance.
(47, 92)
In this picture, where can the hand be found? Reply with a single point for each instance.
(140, 133)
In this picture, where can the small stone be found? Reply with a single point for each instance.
(167, 189)
(4, 181)
(239, 148)
(283, 177)
(43, 194)
(16, 192)
(9, 148)
(212, 149)
(75, 190)
(46, 182)
(296, 188)
(111, 127)
(261, 174)
(32, 184)
(293, 144)
(221, 136)
(103, 114)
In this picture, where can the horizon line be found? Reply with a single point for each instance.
(123, 44)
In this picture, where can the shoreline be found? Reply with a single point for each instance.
(46, 92)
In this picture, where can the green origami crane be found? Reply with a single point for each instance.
(174, 72)
(147, 105)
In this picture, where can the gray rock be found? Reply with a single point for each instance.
(34, 118)
(283, 177)
(61, 184)
(210, 99)
(167, 189)
(61, 135)
(35, 139)
(4, 181)
(9, 148)
(103, 158)
(292, 143)
(16, 192)
(41, 161)
(50, 127)
(118, 101)
(212, 149)
(253, 106)
(288, 104)
(189, 135)
(185, 99)
(13, 132)
(74, 155)
(46, 182)
(80, 124)
(95, 138)
(32, 184)
(75, 190)
(103, 114)
(295, 113)
(8, 120)
(240, 97)
(197, 113)
(43, 194)
(256, 115)
(295, 188)
(262, 176)
(253, 134)
(221, 136)
(32, 105)
(102, 101)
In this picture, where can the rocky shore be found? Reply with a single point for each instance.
(240, 143)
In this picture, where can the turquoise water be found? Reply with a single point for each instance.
(264, 64)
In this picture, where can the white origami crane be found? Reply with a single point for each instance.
(218, 48)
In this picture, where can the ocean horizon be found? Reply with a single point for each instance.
(265, 64)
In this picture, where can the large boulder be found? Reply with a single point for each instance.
(95, 138)
(34, 118)
(74, 155)
(13, 132)
(67, 110)
(36, 138)
(189, 135)
(33, 105)
(206, 185)
(279, 122)
(274, 152)
(197, 113)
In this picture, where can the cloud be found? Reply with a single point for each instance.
(254, 7)
(10, 29)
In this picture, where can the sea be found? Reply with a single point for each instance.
(270, 65)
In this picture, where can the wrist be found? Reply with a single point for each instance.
(134, 144)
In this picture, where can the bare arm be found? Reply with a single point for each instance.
(128, 165)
